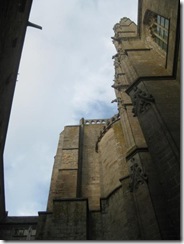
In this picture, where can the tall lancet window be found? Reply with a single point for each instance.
(161, 31)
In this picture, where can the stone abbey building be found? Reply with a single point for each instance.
(116, 178)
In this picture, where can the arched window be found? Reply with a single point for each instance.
(160, 31)
(158, 27)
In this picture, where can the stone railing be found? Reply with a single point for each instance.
(94, 121)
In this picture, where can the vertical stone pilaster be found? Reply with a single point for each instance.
(139, 188)
(165, 180)
(65, 170)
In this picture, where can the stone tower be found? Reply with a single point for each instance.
(118, 178)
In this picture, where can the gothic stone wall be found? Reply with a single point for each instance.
(152, 80)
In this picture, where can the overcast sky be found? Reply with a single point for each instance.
(66, 73)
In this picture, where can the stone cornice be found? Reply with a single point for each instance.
(147, 78)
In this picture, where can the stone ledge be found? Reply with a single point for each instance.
(132, 151)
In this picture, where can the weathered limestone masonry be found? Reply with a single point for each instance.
(137, 156)
(96, 199)
(150, 76)
(118, 178)
(88, 166)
